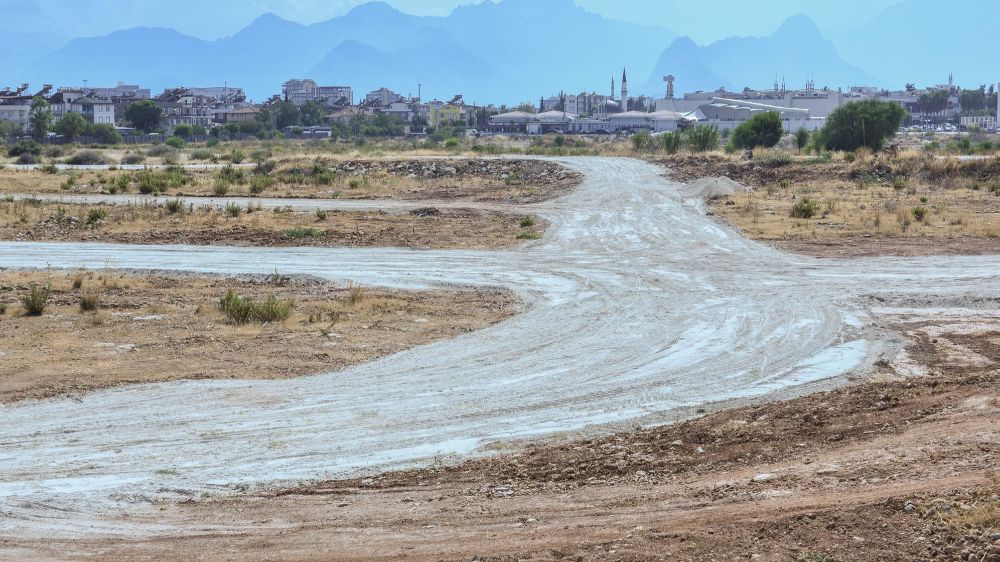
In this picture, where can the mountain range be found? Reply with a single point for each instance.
(514, 50)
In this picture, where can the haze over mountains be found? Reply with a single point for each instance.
(517, 50)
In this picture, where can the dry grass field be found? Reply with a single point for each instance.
(913, 204)
(174, 222)
(106, 329)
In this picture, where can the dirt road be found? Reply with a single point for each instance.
(641, 310)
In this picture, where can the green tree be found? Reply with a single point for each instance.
(144, 115)
(103, 133)
(71, 126)
(312, 114)
(40, 119)
(933, 102)
(702, 138)
(864, 123)
(672, 141)
(763, 129)
(183, 131)
(287, 114)
(973, 100)
(9, 129)
(801, 139)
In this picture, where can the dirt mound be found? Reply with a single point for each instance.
(712, 188)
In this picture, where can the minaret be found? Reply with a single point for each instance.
(624, 91)
(612, 87)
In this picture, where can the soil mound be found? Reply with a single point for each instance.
(712, 188)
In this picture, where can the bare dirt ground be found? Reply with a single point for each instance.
(912, 206)
(161, 327)
(249, 225)
(891, 469)
(482, 180)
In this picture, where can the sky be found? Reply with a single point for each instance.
(210, 19)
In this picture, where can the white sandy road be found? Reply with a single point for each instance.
(640, 307)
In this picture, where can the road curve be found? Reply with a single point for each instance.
(639, 306)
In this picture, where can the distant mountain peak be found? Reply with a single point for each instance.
(373, 10)
(799, 25)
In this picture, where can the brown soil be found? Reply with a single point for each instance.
(910, 206)
(890, 469)
(501, 180)
(152, 224)
(159, 327)
(873, 246)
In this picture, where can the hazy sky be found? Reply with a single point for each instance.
(215, 18)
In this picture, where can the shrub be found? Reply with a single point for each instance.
(672, 142)
(259, 184)
(202, 154)
(304, 232)
(243, 310)
(87, 158)
(801, 139)
(642, 141)
(232, 175)
(25, 147)
(27, 159)
(159, 151)
(133, 158)
(527, 221)
(451, 143)
(321, 215)
(48, 169)
(805, 208)
(174, 142)
(152, 182)
(221, 187)
(174, 206)
(34, 302)
(233, 210)
(529, 235)
(919, 213)
(89, 302)
(764, 129)
(237, 156)
(702, 138)
(96, 216)
(3, 308)
(356, 294)
(212, 143)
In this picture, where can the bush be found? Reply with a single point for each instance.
(152, 182)
(763, 129)
(321, 215)
(133, 158)
(304, 232)
(212, 143)
(672, 142)
(96, 216)
(919, 213)
(34, 302)
(183, 131)
(864, 123)
(237, 156)
(175, 142)
(174, 206)
(159, 151)
(702, 138)
(260, 184)
(25, 147)
(87, 158)
(642, 141)
(27, 159)
(243, 310)
(527, 221)
(805, 208)
(233, 210)
(89, 302)
(221, 187)
(202, 154)
(232, 175)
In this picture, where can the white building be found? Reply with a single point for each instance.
(725, 114)
(301, 91)
(383, 97)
